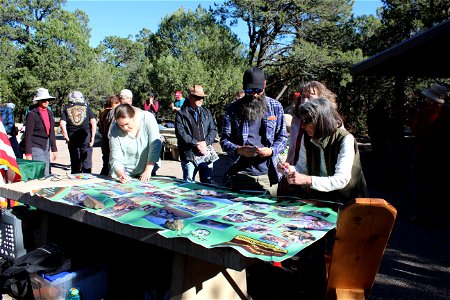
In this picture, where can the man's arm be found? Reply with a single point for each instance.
(181, 133)
(280, 134)
(93, 131)
(225, 138)
(29, 128)
(63, 125)
(212, 128)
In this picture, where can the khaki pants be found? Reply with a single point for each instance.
(245, 182)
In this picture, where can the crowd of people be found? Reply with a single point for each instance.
(322, 158)
(322, 162)
(253, 134)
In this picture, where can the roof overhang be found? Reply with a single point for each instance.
(424, 55)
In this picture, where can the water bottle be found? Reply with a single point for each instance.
(74, 294)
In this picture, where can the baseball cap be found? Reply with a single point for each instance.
(76, 96)
(253, 79)
(125, 93)
(150, 94)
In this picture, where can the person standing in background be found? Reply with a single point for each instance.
(7, 116)
(195, 130)
(126, 96)
(430, 128)
(151, 104)
(104, 122)
(78, 126)
(14, 142)
(179, 101)
(40, 131)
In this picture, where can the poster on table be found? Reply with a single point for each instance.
(209, 216)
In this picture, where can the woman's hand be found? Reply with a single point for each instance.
(146, 175)
(122, 176)
(285, 168)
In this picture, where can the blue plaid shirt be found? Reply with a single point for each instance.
(235, 133)
(6, 117)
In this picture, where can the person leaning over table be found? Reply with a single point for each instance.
(310, 90)
(329, 166)
(40, 131)
(134, 143)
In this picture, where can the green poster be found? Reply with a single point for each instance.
(206, 215)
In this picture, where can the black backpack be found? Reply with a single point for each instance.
(15, 274)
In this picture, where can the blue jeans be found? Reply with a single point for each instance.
(190, 170)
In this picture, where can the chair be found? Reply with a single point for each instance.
(362, 232)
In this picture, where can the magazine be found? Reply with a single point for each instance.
(210, 156)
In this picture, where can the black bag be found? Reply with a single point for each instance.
(15, 274)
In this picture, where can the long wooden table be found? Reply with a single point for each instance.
(219, 272)
(363, 230)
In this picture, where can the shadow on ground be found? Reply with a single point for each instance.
(416, 263)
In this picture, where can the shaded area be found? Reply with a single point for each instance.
(416, 264)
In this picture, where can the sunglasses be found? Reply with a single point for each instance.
(253, 91)
(197, 97)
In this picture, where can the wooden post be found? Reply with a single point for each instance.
(362, 232)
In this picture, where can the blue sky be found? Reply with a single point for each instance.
(123, 18)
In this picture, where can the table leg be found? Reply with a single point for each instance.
(196, 279)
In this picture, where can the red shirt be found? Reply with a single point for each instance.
(45, 118)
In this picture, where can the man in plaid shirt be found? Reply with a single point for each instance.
(254, 133)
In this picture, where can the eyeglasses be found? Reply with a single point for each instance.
(307, 121)
(197, 97)
(253, 91)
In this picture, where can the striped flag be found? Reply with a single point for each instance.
(9, 169)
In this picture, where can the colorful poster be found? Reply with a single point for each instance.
(209, 216)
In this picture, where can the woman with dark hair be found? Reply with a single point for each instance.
(329, 166)
(135, 144)
(311, 90)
